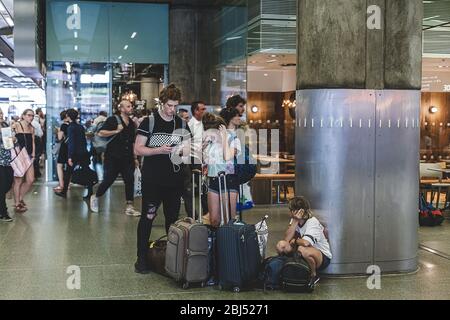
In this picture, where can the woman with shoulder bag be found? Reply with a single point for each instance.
(25, 137)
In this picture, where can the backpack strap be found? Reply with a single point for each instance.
(151, 124)
(311, 237)
(119, 119)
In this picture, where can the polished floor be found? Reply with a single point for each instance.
(38, 247)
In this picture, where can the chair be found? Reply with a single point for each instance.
(431, 181)
(282, 185)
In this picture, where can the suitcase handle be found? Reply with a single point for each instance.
(189, 220)
(200, 185)
(222, 176)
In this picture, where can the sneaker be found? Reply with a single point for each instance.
(61, 194)
(6, 218)
(131, 211)
(312, 283)
(141, 267)
(94, 203)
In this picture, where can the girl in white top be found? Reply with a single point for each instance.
(306, 232)
(221, 148)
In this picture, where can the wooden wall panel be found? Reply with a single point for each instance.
(435, 128)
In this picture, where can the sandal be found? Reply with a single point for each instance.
(20, 208)
(58, 189)
(23, 204)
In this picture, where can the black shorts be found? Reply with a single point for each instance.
(325, 262)
(232, 184)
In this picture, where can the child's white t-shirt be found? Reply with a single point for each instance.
(312, 231)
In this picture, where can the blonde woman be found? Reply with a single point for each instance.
(25, 138)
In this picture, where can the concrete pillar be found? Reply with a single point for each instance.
(192, 57)
(357, 131)
(149, 91)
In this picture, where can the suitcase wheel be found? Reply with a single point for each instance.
(236, 289)
(185, 285)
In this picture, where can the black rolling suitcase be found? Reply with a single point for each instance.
(238, 256)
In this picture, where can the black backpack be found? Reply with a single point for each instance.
(296, 275)
(269, 276)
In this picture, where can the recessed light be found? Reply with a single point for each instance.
(214, 80)
(271, 61)
(120, 57)
(126, 47)
(265, 75)
(133, 35)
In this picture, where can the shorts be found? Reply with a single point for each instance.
(232, 184)
(325, 262)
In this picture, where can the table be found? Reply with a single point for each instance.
(272, 159)
(440, 185)
(446, 171)
(262, 185)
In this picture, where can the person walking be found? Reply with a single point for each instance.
(119, 156)
(25, 136)
(62, 137)
(77, 153)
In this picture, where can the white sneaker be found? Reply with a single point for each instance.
(131, 211)
(94, 203)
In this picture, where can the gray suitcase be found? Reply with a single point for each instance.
(187, 248)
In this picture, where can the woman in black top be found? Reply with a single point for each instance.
(25, 138)
(63, 150)
(77, 151)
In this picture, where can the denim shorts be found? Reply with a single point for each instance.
(325, 262)
(232, 184)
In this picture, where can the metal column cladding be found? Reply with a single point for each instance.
(357, 161)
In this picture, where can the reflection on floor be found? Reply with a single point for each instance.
(38, 247)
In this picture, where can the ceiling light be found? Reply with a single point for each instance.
(133, 35)
(433, 109)
(75, 34)
(271, 61)
(255, 109)
(266, 75)
(126, 47)
(273, 55)
(214, 80)
(75, 48)
(233, 38)
(120, 57)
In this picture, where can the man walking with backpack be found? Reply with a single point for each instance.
(119, 156)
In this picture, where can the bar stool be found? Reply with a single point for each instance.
(281, 185)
